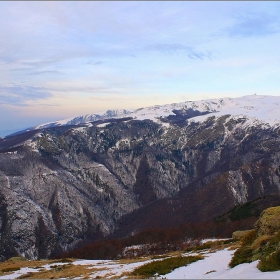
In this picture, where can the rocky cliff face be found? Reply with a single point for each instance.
(63, 185)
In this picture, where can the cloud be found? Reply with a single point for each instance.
(72, 88)
(95, 62)
(34, 67)
(176, 48)
(18, 95)
(253, 25)
(45, 72)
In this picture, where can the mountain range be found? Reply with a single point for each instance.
(120, 172)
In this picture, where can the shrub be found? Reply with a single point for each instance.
(242, 255)
(165, 266)
(270, 263)
(17, 259)
(245, 253)
(247, 210)
(210, 245)
(204, 246)
(249, 238)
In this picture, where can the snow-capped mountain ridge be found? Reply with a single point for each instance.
(85, 118)
(255, 108)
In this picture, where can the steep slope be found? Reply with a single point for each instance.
(171, 164)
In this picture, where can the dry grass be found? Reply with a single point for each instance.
(218, 245)
(110, 275)
(15, 263)
(127, 276)
(11, 265)
(261, 240)
(65, 260)
(61, 271)
(213, 246)
(173, 254)
(234, 247)
(128, 261)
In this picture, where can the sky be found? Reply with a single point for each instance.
(63, 59)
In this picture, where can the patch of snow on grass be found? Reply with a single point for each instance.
(109, 268)
(215, 261)
(18, 273)
(215, 266)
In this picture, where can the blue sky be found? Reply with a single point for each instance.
(62, 59)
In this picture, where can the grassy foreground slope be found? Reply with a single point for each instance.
(262, 242)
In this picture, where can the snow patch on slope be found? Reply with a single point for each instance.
(215, 266)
